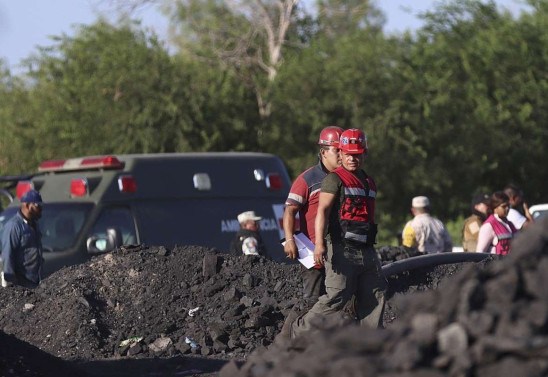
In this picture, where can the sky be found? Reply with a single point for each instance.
(26, 24)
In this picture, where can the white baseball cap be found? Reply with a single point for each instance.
(420, 202)
(248, 215)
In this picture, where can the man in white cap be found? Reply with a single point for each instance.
(248, 240)
(425, 233)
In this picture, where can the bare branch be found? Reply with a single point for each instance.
(258, 48)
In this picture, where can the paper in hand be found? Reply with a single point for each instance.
(305, 248)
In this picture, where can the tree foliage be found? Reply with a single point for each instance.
(247, 36)
(454, 108)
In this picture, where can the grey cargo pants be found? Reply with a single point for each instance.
(348, 272)
(313, 285)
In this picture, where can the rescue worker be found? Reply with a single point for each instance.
(303, 200)
(22, 244)
(424, 232)
(248, 240)
(472, 224)
(497, 231)
(346, 215)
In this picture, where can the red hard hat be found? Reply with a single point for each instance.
(353, 141)
(330, 136)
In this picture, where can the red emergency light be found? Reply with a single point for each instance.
(86, 163)
(273, 181)
(78, 187)
(51, 165)
(127, 184)
(22, 187)
(102, 162)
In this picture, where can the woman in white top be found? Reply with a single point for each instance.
(497, 231)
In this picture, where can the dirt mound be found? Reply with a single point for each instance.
(21, 359)
(151, 303)
(490, 321)
(155, 302)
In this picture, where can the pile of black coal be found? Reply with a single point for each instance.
(20, 359)
(483, 321)
(150, 301)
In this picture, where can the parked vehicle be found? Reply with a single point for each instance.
(7, 186)
(539, 210)
(93, 204)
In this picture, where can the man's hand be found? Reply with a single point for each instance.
(528, 215)
(319, 255)
(290, 248)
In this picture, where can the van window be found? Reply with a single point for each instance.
(61, 223)
(116, 217)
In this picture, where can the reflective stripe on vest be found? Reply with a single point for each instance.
(354, 191)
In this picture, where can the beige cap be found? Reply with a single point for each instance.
(420, 202)
(248, 215)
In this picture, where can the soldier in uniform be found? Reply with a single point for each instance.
(472, 224)
(248, 240)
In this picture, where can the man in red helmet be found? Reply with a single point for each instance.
(303, 199)
(346, 214)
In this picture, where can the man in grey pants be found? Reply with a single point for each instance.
(303, 200)
(346, 214)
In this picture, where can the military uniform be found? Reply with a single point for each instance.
(470, 232)
(247, 242)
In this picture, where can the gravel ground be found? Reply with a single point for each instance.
(145, 311)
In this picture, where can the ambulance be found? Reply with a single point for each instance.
(94, 204)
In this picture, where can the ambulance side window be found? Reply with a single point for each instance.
(116, 217)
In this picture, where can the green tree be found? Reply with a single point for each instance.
(485, 75)
(337, 18)
(444, 109)
(116, 86)
(16, 152)
(471, 87)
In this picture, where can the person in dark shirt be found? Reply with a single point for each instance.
(248, 240)
(302, 201)
(22, 244)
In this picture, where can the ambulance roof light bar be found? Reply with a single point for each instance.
(86, 163)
